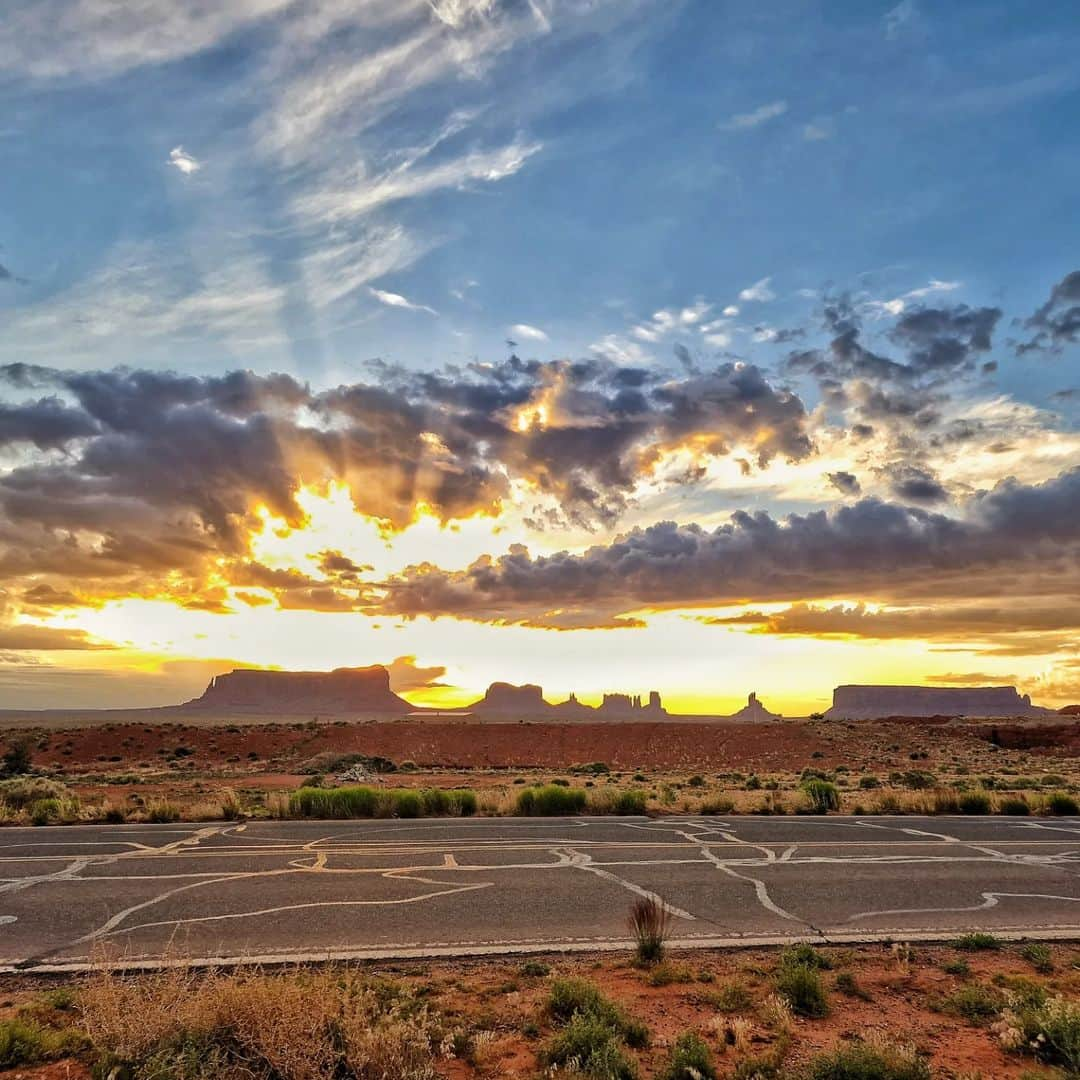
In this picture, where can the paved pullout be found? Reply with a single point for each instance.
(289, 890)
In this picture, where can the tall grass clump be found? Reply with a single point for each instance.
(368, 802)
(975, 802)
(587, 1046)
(551, 800)
(570, 997)
(824, 795)
(25, 1041)
(798, 981)
(1014, 806)
(625, 803)
(1061, 804)
(649, 923)
(690, 1059)
(868, 1061)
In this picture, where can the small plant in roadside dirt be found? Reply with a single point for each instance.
(731, 998)
(1038, 956)
(571, 996)
(1049, 1029)
(802, 987)
(977, 942)
(974, 1003)
(690, 1059)
(589, 1047)
(668, 974)
(805, 954)
(958, 967)
(868, 1061)
(847, 984)
(649, 923)
(535, 969)
(823, 794)
(1060, 804)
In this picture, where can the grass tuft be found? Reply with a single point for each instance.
(649, 923)
(551, 800)
(689, 1059)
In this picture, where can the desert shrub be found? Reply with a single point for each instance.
(1015, 806)
(753, 783)
(730, 998)
(689, 1059)
(975, 1003)
(176, 1026)
(847, 984)
(801, 986)
(823, 794)
(1061, 804)
(365, 802)
(718, 804)
(550, 801)
(868, 783)
(958, 966)
(669, 974)
(918, 780)
(625, 803)
(570, 997)
(1050, 1029)
(589, 1046)
(868, 1061)
(535, 969)
(977, 942)
(20, 793)
(44, 811)
(974, 802)
(1053, 780)
(18, 759)
(806, 955)
(1038, 956)
(649, 924)
(697, 780)
(162, 813)
(25, 1041)
(592, 768)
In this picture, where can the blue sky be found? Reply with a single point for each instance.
(819, 256)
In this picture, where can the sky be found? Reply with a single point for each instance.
(704, 346)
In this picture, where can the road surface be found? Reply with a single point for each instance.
(290, 890)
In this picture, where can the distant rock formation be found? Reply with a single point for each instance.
(632, 705)
(300, 693)
(753, 710)
(528, 701)
(503, 697)
(879, 702)
(1070, 710)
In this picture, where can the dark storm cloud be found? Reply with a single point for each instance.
(845, 482)
(913, 484)
(153, 481)
(870, 549)
(1057, 322)
(945, 339)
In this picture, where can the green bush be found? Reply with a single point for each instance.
(535, 969)
(802, 987)
(689, 1059)
(974, 802)
(805, 955)
(975, 1003)
(918, 780)
(824, 795)
(18, 794)
(977, 942)
(1016, 806)
(847, 984)
(570, 997)
(1051, 1028)
(868, 783)
(864, 1062)
(1038, 956)
(1061, 804)
(367, 802)
(958, 967)
(550, 801)
(24, 1041)
(589, 1046)
(718, 804)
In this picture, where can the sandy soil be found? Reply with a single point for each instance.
(497, 998)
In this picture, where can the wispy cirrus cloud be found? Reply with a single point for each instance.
(392, 299)
(756, 117)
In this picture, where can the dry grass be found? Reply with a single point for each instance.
(292, 1026)
(650, 923)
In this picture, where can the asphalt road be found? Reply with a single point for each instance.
(278, 891)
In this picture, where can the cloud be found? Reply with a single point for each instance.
(897, 305)
(896, 19)
(756, 117)
(391, 299)
(844, 482)
(818, 131)
(1027, 535)
(973, 678)
(913, 484)
(527, 332)
(182, 160)
(1057, 322)
(28, 638)
(759, 292)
